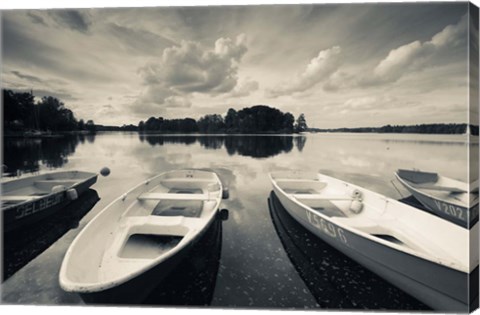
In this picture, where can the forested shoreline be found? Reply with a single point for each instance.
(22, 114)
(421, 129)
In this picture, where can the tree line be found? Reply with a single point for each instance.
(250, 120)
(21, 113)
(422, 128)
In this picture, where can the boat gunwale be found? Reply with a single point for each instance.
(423, 192)
(452, 265)
(92, 287)
(90, 176)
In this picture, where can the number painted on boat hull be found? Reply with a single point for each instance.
(39, 205)
(326, 227)
(451, 210)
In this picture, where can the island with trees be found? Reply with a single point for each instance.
(258, 119)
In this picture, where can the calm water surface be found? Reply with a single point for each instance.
(254, 269)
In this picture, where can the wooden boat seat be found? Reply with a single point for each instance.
(297, 180)
(128, 222)
(167, 196)
(187, 180)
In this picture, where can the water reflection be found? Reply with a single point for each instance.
(161, 140)
(259, 146)
(300, 142)
(23, 245)
(26, 155)
(245, 145)
(212, 142)
(334, 280)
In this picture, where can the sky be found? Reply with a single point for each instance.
(342, 65)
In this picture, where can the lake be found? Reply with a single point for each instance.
(247, 262)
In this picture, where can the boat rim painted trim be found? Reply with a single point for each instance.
(91, 287)
(406, 250)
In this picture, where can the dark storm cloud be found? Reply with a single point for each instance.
(72, 19)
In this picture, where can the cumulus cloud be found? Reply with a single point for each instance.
(190, 68)
(72, 19)
(320, 68)
(368, 102)
(408, 58)
(398, 60)
(177, 101)
(417, 55)
(339, 80)
(244, 88)
(374, 104)
(228, 48)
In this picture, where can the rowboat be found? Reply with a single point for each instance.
(27, 200)
(132, 244)
(450, 199)
(317, 263)
(424, 255)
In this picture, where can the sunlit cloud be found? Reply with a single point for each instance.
(318, 69)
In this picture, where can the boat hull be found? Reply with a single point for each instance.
(456, 214)
(437, 286)
(137, 289)
(28, 213)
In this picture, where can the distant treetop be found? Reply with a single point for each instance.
(249, 120)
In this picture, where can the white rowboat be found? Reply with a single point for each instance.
(450, 199)
(132, 244)
(424, 255)
(30, 199)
